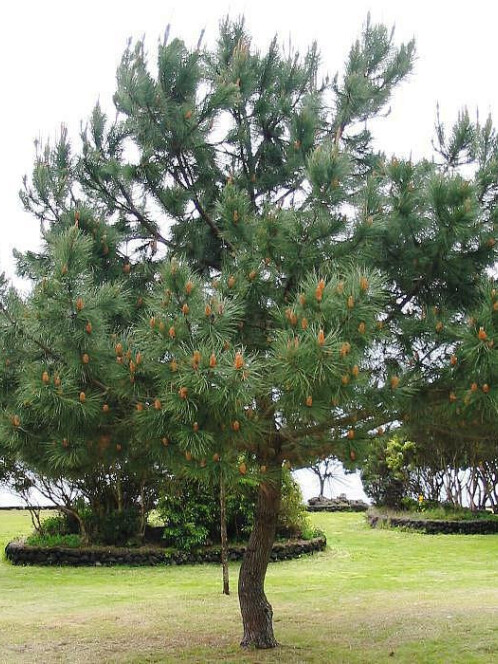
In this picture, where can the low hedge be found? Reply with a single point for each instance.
(21, 554)
(435, 526)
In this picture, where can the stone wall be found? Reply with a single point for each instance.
(340, 504)
(435, 527)
(20, 554)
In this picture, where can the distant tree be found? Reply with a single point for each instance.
(326, 470)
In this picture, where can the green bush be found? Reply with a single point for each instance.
(191, 516)
(385, 472)
(408, 504)
(50, 540)
(450, 512)
(293, 519)
(116, 528)
(310, 533)
(191, 513)
(186, 514)
(56, 525)
(431, 510)
(185, 534)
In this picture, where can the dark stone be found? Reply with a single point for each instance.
(20, 554)
(436, 527)
(340, 504)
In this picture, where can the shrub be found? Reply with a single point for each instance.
(431, 510)
(408, 504)
(191, 513)
(293, 519)
(52, 540)
(56, 525)
(384, 474)
(114, 527)
(117, 528)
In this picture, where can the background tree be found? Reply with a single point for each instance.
(68, 386)
(441, 236)
(326, 471)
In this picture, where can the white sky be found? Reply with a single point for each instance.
(58, 57)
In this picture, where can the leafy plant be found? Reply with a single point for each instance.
(191, 513)
(293, 519)
(53, 540)
(57, 525)
(117, 528)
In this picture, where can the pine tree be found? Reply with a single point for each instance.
(68, 409)
(263, 350)
(254, 339)
(438, 244)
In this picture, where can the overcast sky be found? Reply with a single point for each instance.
(58, 57)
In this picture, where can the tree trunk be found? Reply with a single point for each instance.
(34, 513)
(119, 490)
(322, 486)
(224, 537)
(143, 511)
(256, 611)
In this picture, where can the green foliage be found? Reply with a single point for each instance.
(117, 527)
(373, 69)
(59, 524)
(432, 510)
(50, 540)
(184, 534)
(186, 516)
(293, 519)
(190, 511)
(60, 418)
(385, 474)
(114, 527)
(408, 504)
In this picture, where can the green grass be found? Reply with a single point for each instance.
(373, 596)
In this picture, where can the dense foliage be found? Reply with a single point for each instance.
(191, 513)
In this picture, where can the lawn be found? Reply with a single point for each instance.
(372, 596)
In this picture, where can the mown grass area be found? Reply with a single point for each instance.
(373, 596)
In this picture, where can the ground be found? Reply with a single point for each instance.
(373, 596)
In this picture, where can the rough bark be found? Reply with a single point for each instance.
(257, 613)
(224, 538)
